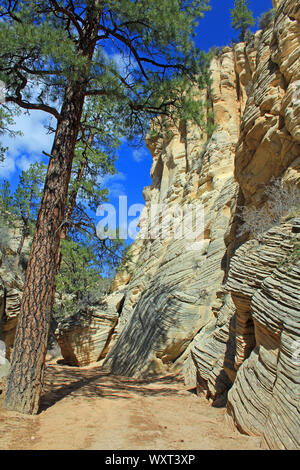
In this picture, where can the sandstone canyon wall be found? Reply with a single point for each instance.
(227, 315)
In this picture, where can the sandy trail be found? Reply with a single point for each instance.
(82, 408)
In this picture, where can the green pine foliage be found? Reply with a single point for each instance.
(153, 41)
(266, 18)
(27, 197)
(7, 114)
(6, 200)
(87, 268)
(241, 17)
(79, 282)
(24, 203)
(88, 264)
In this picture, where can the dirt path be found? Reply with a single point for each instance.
(82, 408)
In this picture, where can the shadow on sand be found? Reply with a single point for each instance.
(62, 381)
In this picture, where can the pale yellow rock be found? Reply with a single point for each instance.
(172, 289)
(265, 283)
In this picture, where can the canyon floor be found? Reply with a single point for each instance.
(82, 408)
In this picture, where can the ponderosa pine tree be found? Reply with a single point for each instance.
(241, 17)
(6, 199)
(53, 56)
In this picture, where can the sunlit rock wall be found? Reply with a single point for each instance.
(226, 316)
(264, 274)
(173, 294)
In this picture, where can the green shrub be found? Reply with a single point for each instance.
(266, 19)
(282, 204)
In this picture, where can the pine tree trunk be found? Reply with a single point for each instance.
(25, 379)
(30, 348)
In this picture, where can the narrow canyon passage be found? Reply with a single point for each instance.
(82, 408)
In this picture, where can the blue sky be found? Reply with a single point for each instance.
(133, 165)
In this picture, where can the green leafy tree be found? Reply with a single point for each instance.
(241, 18)
(26, 200)
(266, 18)
(79, 281)
(6, 200)
(54, 55)
(85, 273)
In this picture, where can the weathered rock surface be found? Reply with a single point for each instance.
(11, 282)
(264, 280)
(179, 311)
(264, 276)
(4, 363)
(174, 284)
(224, 313)
(11, 285)
(83, 338)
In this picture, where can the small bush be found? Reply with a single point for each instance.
(4, 238)
(282, 203)
(249, 88)
(248, 37)
(266, 19)
(216, 51)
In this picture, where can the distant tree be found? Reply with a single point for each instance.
(241, 18)
(84, 277)
(78, 277)
(94, 156)
(6, 199)
(26, 200)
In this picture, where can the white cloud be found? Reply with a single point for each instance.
(24, 162)
(140, 154)
(26, 149)
(124, 65)
(113, 184)
(34, 138)
(7, 167)
(116, 190)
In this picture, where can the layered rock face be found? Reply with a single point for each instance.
(264, 276)
(11, 285)
(264, 280)
(84, 337)
(175, 282)
(222, 310)
(227, 315)
(12, 276)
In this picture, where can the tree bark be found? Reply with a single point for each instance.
(25, 380)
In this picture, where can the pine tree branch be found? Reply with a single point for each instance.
(18, 99)
(10, 9)
(128, 43)
(34, 106)
(72, 18)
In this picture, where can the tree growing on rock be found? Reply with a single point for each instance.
(54, 55)
(241, 18)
